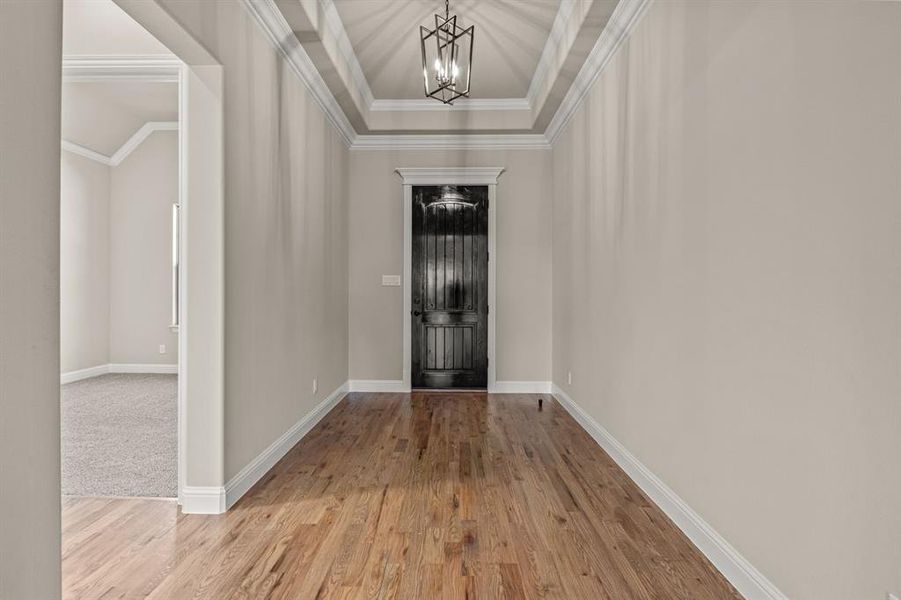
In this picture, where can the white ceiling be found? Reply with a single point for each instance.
(101, 116)
(509, 38)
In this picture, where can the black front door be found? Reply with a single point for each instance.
(450, 287)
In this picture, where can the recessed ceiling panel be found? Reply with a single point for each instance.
(509, 38)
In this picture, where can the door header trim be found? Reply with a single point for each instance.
(450, 175)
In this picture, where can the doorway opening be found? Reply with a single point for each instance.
(450, 287)
(120, 187)
(478, 182)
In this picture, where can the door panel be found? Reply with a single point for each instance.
(450, 287)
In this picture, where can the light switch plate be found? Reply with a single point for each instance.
(391, 280)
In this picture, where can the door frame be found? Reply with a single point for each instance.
(411, 176)
(201, 305)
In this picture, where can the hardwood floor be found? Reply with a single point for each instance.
(434, 495)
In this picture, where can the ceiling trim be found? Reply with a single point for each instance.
(272, 22)
(130, 145)
(618, 29)
(138, 138)
(466, 141)
(426, 104)
(98, 68)
(85, 152)
(345, 47)
(550, 51)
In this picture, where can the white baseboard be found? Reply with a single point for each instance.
(521, 387)
(258, 467)
(139, 368)
(115, 368)
(749, 582)
(378, 385)
(208, 500)
(83, 374)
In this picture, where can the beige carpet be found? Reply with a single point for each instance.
(119, 436)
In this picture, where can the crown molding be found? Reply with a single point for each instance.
(619, 28)
(138, 138)
(85, 152)
(272, 22)
(463, 104)
(127, 148)
(472, 141)
(550, 51)
(98, 68)
(336, 27)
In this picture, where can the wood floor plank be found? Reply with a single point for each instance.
(400, 496)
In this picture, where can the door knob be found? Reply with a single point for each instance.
(416, 313)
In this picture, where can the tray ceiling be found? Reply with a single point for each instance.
(527, 53)
(510, 36)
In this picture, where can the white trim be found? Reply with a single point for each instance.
(492, 269)
(550, 50)
(153, 68)
(336, 27)
(85, 152)
(436, 176)
(202, 500)
(378, 385)
(80, 374)
(522, 387)
(749, 582)
(455, 175)
(239, 485)
(273, 23)
(462, 104)
(130, 145)
(71, 376)
(183, 105)
(142, 368)
(622, 22)
(138, 137)
(470, 141)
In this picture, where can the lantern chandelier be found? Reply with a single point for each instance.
(446, 58)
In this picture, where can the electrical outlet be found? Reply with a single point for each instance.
(315, 385)
(162, 348)
(569, 378)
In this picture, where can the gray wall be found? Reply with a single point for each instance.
(30, 59)
(116, 257)
(286, 174)
(84, 263)
(727, 287)
(143, 189)
(523, 259)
